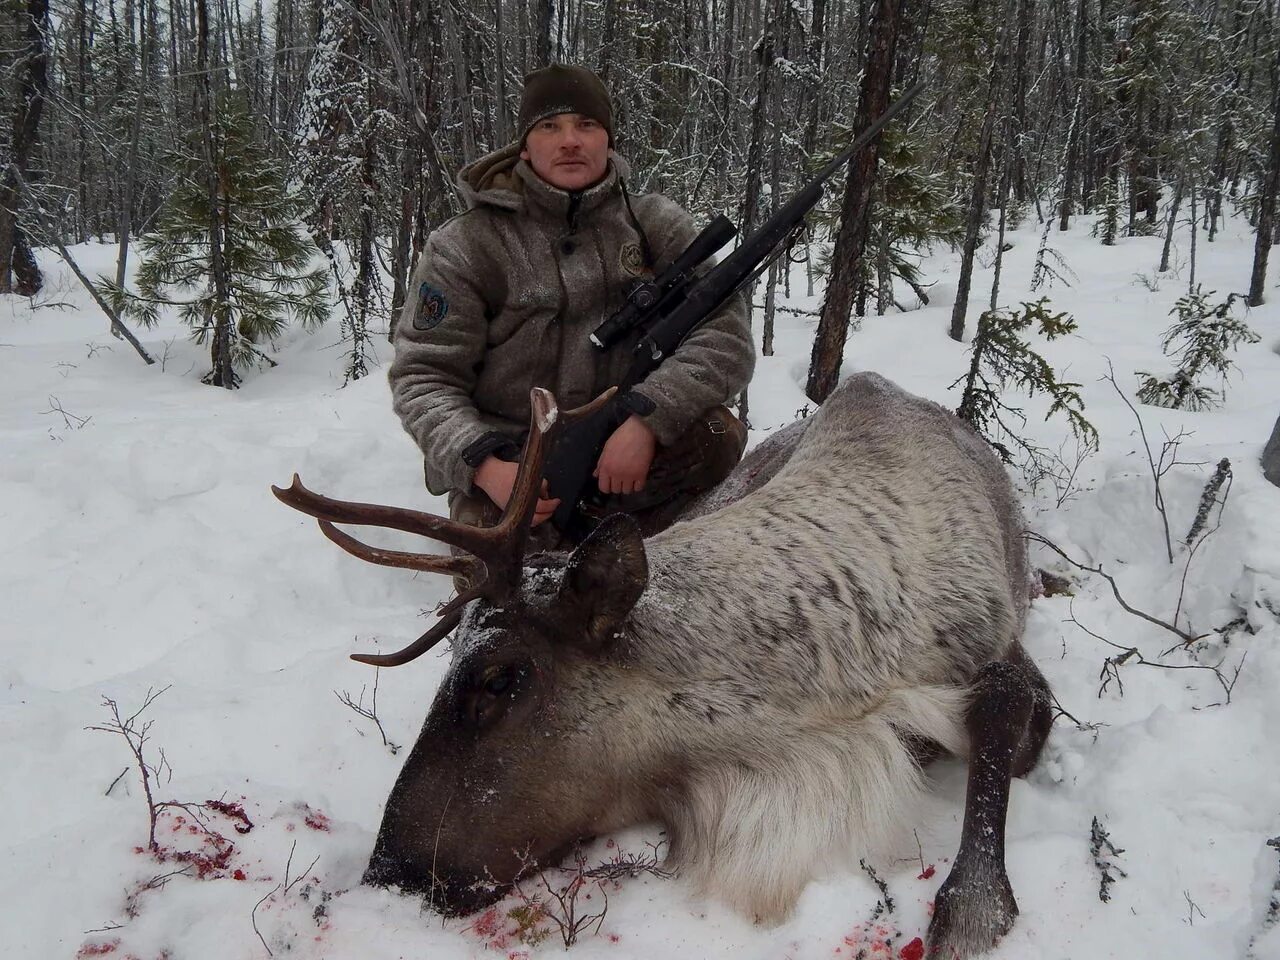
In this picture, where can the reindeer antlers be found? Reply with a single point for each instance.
(495, 554)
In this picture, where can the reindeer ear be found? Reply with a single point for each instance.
(604, 578)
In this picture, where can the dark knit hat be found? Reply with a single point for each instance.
(560, 88)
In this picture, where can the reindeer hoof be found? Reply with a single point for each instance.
(972, 911)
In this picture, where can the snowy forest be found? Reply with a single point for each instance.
(339, 125)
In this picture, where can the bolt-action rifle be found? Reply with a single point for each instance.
(671, 306)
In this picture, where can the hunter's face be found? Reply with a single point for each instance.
(568, 150)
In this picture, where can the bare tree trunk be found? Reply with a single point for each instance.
(813, 57)
(542, 32)
(501, 123)
(1266, 209)
(607, 39)
(223, 373)
(1003, 200)
(82, 137)
(131, 171)
(782, 264)
(978, 194)
(755, 155)
(1173, 220)
(1017, 143)
(366, 276)
(1213, 195)
(18, 270)
(847, 268)
(461, 68)
(1075, 150)
(755, 150)
(1191, 280)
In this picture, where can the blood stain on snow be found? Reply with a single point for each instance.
(97, 949)
(913, 950)
(927, 873)
(233, 811)
(871, 941)
(316, 820)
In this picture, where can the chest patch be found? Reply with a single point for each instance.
(433, 307)
(631, 260)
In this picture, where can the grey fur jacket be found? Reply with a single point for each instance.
(504, 297)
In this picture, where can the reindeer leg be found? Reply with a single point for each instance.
(1008, 720)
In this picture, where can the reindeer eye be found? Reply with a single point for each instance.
(494, 693)
(498, 683)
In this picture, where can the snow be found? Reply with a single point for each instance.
(144, 551)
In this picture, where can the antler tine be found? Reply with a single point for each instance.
(496, 553)
(463, 566)
(416, 649)
(450, 615)
(587, 409)
(455, 534)
(545, 416)
(504, 542)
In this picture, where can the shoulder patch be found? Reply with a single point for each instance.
(631, 260)
(433, 307)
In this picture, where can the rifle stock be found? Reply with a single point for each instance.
(572, 459)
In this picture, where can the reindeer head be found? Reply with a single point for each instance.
(521, 754)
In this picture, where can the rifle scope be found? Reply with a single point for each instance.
(645, 296)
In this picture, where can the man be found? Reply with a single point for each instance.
(506, 294)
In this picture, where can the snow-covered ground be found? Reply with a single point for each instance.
(142, 551)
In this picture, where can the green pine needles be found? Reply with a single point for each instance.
(1205, 333)
(911, 211)
(233, 260)
(1000, 358)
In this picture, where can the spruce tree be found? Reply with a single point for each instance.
(1206, 332)
(266, 253)
(999, 358)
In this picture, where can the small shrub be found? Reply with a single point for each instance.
(1000, 358)
(1206, 334)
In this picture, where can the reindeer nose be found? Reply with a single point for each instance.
(453, 896)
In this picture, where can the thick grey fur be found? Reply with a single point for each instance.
(795, 641)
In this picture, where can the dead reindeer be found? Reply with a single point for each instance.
(764, 677)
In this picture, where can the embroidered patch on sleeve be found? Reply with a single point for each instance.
(432, 308)
(631, 260)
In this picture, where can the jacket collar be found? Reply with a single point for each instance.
(502, 179)
(544, 201)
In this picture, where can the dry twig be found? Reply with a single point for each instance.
(1186, 637)
(136, 737)
(1111, 666)
(371, 712)
(1167, 461)
(55, 406)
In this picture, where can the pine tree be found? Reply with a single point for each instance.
(266, 253)
(1207, 332)
(999, 358)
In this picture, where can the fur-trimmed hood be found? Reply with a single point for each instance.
(501, 179)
